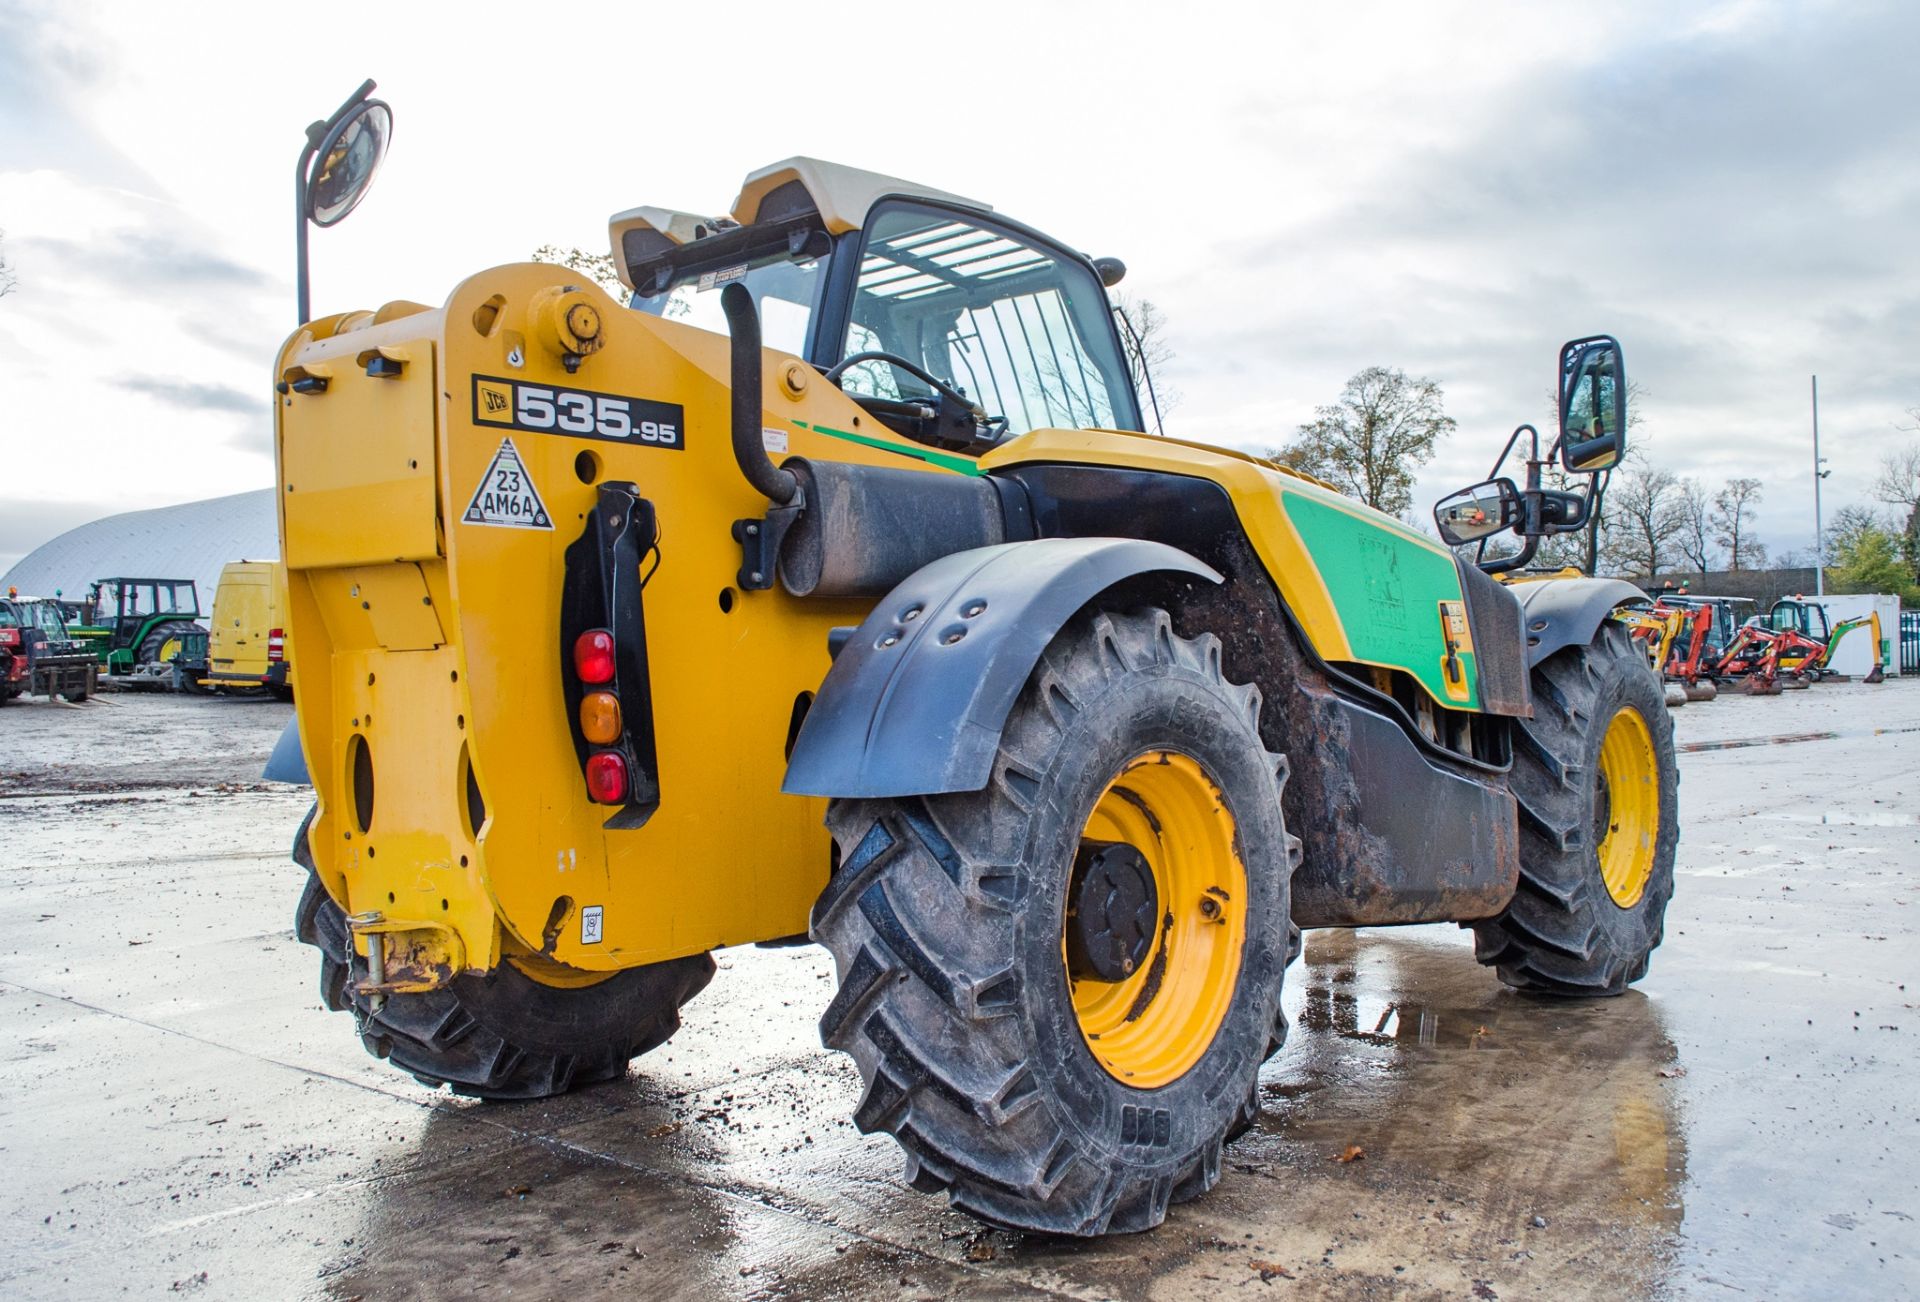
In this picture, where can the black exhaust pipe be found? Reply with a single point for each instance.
(749, 449)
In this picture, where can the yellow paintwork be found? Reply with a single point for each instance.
(1655, 631)
(1632, 778)
(437, 640)
(406, 617)
(1165, 806)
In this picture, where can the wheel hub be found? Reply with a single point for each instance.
(1113, 909)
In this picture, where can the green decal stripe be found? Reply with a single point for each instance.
(1387, 584)
(945, 461)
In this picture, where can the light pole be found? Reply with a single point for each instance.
(1820, 472)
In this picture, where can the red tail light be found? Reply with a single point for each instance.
(593, 657)
(276, 644)
(607, 777)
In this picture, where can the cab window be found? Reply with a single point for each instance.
(1020, 329)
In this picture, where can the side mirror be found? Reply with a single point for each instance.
(1593, 405)
(344, 164)
(335, 170)
(1478, 512)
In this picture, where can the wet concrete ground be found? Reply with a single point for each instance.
(179, 1115)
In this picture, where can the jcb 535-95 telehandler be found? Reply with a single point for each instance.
(867, 613)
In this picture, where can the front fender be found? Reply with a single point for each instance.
(1559, 613)
(916, 699)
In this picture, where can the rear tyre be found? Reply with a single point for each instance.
(159, 635)
(501, 1035)
(1059, 989)
(1594, 773)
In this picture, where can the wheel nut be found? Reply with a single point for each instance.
(1209, 907)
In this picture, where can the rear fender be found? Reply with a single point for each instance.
(916, 699)
(1559, 613)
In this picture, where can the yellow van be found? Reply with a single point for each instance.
(249, 646)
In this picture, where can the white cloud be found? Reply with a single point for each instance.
(1451, 188)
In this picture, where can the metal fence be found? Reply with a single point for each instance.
(1910, 641)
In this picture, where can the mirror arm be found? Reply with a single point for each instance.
(302, 292)
(1595, 495)
(316, 133)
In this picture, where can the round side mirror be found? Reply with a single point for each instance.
(344, 165)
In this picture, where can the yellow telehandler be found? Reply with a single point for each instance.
(863, 611)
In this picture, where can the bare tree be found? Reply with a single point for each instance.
(1733, 526)
(1143, 337)
(1899, 486)
(1899, 481)
(1370, 442)
(1845, 526)
(1694, 540)
(1646, 515)
(8, 280)
(597, 267)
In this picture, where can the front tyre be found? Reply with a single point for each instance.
(1059, 989)
(1594, 773)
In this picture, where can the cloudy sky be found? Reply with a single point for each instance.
(1732, 188)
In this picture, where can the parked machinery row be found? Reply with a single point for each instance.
(146, 634)
(1699, 642)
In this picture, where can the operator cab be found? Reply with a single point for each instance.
(1730, 614)
(1807, 618)
(124, 605)
(953, 326)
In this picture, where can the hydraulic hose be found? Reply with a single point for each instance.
(743, 323)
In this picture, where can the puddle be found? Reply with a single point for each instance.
(1787, 738)
(1849, 818)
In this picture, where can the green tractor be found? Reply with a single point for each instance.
(144, 633)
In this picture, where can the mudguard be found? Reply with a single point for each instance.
(287, 763)
(1559, 613)
(917, 697)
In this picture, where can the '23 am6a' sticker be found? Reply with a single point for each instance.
(577, 413)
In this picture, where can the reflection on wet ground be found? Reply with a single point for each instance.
(1784, 739)
(1504, 1146)
(177, 1113)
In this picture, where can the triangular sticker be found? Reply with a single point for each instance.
(506, 495)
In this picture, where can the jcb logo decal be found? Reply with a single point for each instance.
(577, 413)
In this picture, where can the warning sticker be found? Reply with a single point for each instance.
(590, 925)
(506, 496)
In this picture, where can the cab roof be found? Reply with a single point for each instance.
(797, 187)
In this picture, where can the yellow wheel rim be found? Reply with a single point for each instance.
(1151, 1026)
(1627, 808)
(549, 973)
(169, 649)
